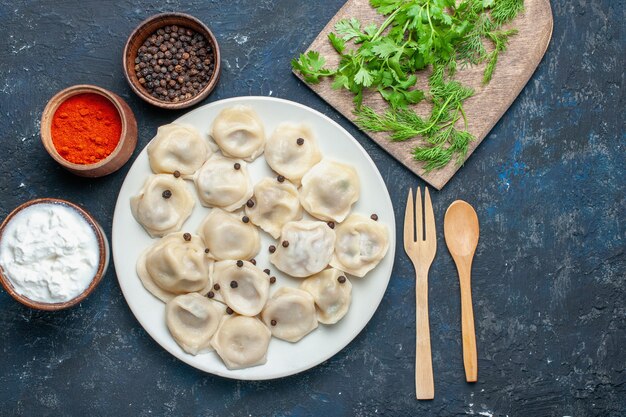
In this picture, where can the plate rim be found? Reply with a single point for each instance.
(354, 331)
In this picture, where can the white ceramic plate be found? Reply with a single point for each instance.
(284, 358)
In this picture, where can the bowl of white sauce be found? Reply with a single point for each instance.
(53, 254)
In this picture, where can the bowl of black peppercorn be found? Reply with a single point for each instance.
(172, 60)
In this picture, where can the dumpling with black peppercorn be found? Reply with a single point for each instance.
(229, 235)
(290, 314)
(361, 244)
(242, 286)
(173, 265)
(306, 248)
(223, 182)
(332, 293)
(274, 203)
(239, 132)
(241, 341)
(292, 150)
(163, 204)
(329, 190)
(177, 148)
(192, 320)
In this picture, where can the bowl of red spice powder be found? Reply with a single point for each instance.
(89, 130)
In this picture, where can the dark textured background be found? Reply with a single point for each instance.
(549, 276)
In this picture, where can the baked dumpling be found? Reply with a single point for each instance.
(239, 132)
(274, 203)
(290, 314)
(229, 236)
(332, 293)
(305, 248)
(162, 205)
(173, 265)
(329, 189)
(177, 148)
(242, 286)
(360, 245)
(292, 150)
(223, 182)
(241, 341)
(192, 320)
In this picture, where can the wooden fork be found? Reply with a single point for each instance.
(421, 250)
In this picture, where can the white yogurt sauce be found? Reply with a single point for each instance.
(49, 253)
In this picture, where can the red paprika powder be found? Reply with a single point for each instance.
(86, 128)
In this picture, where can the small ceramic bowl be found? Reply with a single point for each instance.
(103, 262)
(124, 148)
(147, 28)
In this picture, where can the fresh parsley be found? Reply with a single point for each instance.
(416, 35)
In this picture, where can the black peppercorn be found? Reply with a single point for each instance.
(176, 174)
(331, 225)
(206, 250)
(272, 248)
(216, 287)
(239, 264)
(187, 236)
(253, 261)
(233, 284)
(267, 271)
(341, 279)
(250, 203)
(245, 219)
(280, 178)
(211, 294)
(285, 243)
(272, 280)
(170, 57)
(374, 216)
(237, 165)
(273, 322)
(229, 310)
(167, 194)
(300, 141)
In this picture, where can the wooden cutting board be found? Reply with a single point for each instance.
(484, 109)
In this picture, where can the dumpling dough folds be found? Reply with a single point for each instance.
(288, 157)
(332, 297)
(360, 245)
(173, 266)
(241, 341)
(329, 189)
(293, 312)
(177, 148)
(309, 249)
(275, 203)
(156, 213)
(243, 288)
(192, 320)
(239, 132)
(220, 184)
(228, 237)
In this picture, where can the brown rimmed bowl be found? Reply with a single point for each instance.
(122, 152)
(103, 263)
(147, 28)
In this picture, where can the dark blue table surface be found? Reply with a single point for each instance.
(549, 274)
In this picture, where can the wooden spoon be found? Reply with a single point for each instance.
(461, 231)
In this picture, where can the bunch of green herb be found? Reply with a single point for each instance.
(416, 34)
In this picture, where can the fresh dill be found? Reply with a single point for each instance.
(417, 34)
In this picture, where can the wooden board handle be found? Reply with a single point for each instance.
(424, 382)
